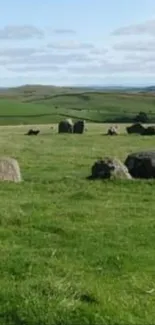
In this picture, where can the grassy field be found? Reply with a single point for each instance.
(74, 251)
(43, 105)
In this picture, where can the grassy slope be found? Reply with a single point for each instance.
(51, 104)
(101, 106)
(74, 251)
(13, 111)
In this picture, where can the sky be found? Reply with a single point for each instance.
(77, 42)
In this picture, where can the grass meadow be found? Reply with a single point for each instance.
(74, 251)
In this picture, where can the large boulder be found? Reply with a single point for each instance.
(137, 128)
(9, 170)
(65, 127)
(150, 130)
(109, 168)
(141, 164)
(79, 127)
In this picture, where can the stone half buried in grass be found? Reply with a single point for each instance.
(109, 168)
(141, 164)
(113, 130)
(150, 130)
(9, 170)
(137, 128)
(33, 132)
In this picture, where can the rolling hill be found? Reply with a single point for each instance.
(49, 104)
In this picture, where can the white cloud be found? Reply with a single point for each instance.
(47, 58)
(32, 68)
(106, 67)
(139, 57)
(79, 64)
(18, 52)
(20, 32)
(70, 45)
(147, 27)
(68, 58)
(99, 51)
(64, 31)
(135, 46)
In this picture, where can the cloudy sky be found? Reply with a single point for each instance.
(77, 42)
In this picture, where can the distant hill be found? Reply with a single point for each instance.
(3, 89)
(150, 89)
(79, 88)
(41, 104)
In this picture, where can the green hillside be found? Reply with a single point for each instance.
(44, 104)
(16, 112)
(106, 104)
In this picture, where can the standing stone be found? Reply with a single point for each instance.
(65, 127)
(9, 170)
(79, 127)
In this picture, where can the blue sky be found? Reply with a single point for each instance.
(70, 42)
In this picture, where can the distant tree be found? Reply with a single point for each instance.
(141, 117)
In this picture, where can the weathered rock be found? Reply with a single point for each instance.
(137, 128)
(79, 127)
(150, 130)
(33, 132)
(113, 130)
(65, 127)
(141, 164)
(9, 170)
(69, 120)
(109, 168)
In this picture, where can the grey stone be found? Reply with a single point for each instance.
(65, 127)
(137, 128)
(79, 127)
(141, 164)
(150, 130)
(113, 130)
(109, 168)
(33, 132)
(9, 170)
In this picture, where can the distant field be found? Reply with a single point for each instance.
(74, 251)
(48, 105)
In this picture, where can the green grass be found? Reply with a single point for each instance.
(74, 251)
(14, 112)
(42, 105)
